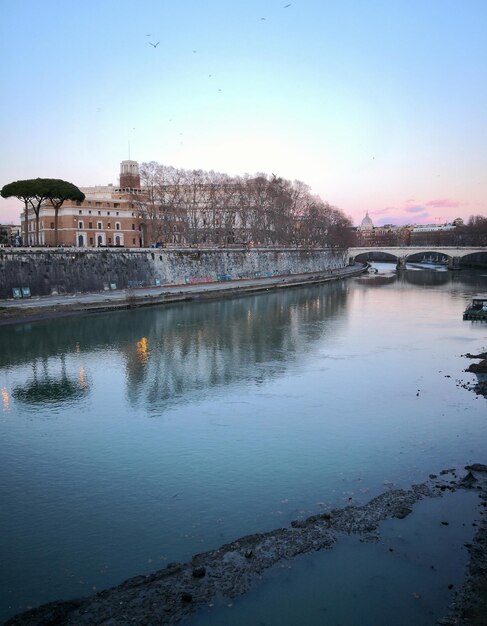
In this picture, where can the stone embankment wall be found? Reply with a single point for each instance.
(46, 271)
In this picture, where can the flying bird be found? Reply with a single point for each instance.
(154, 45)
(287, 5)
(262, 18)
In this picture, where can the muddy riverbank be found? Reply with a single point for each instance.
(168, 595)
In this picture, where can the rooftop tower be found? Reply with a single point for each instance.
(129, 175)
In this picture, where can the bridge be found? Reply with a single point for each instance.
(401, 254)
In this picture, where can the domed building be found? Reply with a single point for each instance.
(388, 235)
(367, 223)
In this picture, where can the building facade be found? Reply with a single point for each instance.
(107, 217)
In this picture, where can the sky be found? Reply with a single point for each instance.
(378, 105)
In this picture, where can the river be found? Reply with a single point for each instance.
(137, 438)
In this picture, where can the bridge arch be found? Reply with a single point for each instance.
(374, 255)
(475, 258)
(427, 256)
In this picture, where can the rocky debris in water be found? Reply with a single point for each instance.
(470, 602)
(168, 595)
(199, 572)
(468, 480)
(447, 471)
(403, 512)
(478, 368)
(476, 467)
(482, 355)
(480, 387)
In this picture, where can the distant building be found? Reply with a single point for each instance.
(367, 225)
(434, 234)
(107, 216)
(388, 235)
(10, 235)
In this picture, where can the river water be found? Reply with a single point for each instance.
(137, 438)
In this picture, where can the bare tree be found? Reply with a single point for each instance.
(194, 206)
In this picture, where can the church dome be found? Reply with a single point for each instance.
(367, 223)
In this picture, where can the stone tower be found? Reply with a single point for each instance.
(129, 175)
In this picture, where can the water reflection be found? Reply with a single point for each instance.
(197, 348)
(5, 399)
(175, 350)
(51, 388)
(425, 277)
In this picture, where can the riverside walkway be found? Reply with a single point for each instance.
(42, 307)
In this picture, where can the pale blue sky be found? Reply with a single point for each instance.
(377, 105)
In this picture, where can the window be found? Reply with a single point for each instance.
(99, 225)
(91, 241)
(89, 212)
(133, 228)
(52, 225)
(118, 213)
(90, 224)
(97, 203)
(78, 203)
(80, 225)
(117, 225)
(109, 225)
(108, 204)
(109, 240)
(99, 212)
(80, 211)
(133, 241)
(108, 212)
(116, 205)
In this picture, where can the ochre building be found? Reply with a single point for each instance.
(107, 217)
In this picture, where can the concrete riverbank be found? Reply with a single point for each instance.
(168, 595)
(45, 307)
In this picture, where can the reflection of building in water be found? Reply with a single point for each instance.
(82, 378)
(178, 350)
(5, 399)
(141, 347)
(199, 347)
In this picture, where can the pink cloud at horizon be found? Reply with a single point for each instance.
(444, 203)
